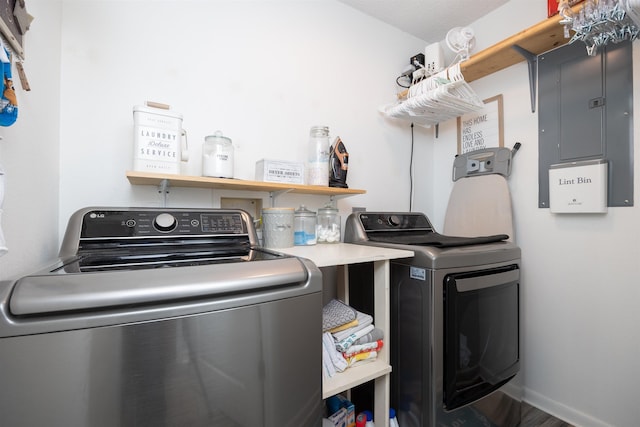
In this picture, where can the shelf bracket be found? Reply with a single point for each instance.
(274, 194)
(333, 198)
(163, 189)
(532, 62)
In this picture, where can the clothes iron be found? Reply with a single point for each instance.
(339, 161)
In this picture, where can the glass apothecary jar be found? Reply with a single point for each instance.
(317, 166)
(328, 229)
(304, 227)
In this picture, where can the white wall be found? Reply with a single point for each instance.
(264, 72)
(580, 273)
(261, 72)
(29, 151)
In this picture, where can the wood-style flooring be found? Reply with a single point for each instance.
(534, 417)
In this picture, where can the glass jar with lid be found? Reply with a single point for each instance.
(217, 156)
(328, 229)
(317, 164)
(304, 227)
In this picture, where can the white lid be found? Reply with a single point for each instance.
(278, 210)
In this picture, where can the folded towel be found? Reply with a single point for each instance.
(375, 335)
(344, 344)
(336, 313)
(351, 324)
(336, 358)
(327, 365)
(362, 348)
(363, 319)
(362, 357)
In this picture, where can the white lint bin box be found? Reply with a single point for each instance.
(280, 171)
(578, 187)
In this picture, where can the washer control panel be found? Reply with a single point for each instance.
(142, 223)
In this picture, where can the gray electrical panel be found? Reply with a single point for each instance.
(585, 112)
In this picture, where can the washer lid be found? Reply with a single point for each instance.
(49, 294)
(409, 228)
(435, 239)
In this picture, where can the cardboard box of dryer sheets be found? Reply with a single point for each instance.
(345, 414)
(280, 171)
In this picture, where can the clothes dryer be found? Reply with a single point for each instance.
(454, 320)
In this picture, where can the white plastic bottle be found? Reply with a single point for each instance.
(369, 415)
(393, 421)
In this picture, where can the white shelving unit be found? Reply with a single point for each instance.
(341, 255)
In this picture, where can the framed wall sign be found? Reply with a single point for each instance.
(482, 129)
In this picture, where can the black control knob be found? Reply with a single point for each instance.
(165, 222)
(394, 220)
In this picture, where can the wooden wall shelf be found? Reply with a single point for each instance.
(525, 45)
(157, 179)
(538, 39)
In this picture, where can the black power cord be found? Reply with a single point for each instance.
(402, 85)
(411, 173)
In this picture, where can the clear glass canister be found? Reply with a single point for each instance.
(304, 227)
(328, 229)
(217, 156)
(318, 156)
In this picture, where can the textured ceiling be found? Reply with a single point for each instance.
(428, 20)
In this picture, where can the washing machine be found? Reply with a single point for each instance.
(455, 310)
(165, 317)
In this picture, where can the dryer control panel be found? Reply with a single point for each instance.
(388, 221)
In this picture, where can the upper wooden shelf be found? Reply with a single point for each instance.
(149, 178)
(536, 40)
(541, 38)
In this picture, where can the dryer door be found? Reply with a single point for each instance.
(481, 333)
